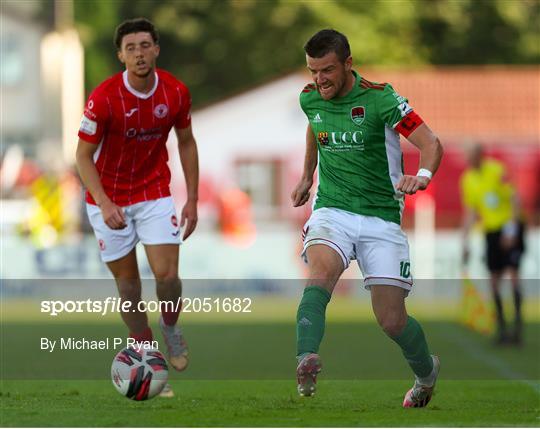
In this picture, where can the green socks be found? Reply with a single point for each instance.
(310, 319)
(415, 349)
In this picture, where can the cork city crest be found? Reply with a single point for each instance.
(358, 114)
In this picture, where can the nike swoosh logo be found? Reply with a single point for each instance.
(131, 112)
(175, 234)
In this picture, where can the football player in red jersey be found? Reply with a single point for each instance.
(122, 160)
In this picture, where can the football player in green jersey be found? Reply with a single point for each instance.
(353, 136)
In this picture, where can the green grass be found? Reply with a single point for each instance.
(243, 375)
(269, 403)
(266, 351)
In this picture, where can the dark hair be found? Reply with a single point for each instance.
(135, 25)
(328, 40)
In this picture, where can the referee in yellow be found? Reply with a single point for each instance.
(489, 199)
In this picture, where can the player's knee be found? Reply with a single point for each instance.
(392, 325)
(166, 274)
(129, 290)
(324, 273)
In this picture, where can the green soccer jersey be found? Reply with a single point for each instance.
(360, 159)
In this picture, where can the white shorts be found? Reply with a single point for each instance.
(151, 222)
(379, 247)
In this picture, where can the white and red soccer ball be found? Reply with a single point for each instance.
(139, 374)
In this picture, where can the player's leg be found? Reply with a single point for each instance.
(327, 251)
(324, 266)
(126, 274)
(496, 262)
(383, 257)
(388, 304)
(163, 261)
(117, 249)
(513, 262)
(495, 283)
(157, 227)
(516, 336)
(389, 307)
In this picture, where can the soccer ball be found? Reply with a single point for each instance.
(139, 374)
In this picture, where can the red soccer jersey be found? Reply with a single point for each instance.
(131, 129)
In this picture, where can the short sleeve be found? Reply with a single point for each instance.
(392, 106)
(301, 101)
(183, 119)
(303, 98)
(396, 112)
(95, 118)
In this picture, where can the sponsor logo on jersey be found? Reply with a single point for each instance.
(358, 114)
(131, 112)
(88, 126)
(161, 111)
(323, 138)
(89, 114)
(317, 119)
(404, 109)
(144, 135)
(341, 137)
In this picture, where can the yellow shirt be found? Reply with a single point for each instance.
(485, 191)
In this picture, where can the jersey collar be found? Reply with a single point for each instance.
(136, 93)
(356, 84)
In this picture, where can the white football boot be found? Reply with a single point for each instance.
(422, 391)
(306, 374)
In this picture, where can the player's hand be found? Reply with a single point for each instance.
(113, 215)
(300, 195)
(411, 184)
(189, 216)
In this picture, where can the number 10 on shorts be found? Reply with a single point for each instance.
(405, 269)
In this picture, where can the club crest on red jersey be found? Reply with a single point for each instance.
(174, 221)
(358, 114)
(161, 111)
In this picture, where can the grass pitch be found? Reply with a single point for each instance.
(243, 375)
(269, 403)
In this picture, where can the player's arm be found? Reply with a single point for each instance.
(431, 152)
(112, 214)
(189, 157)
(300, 195)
